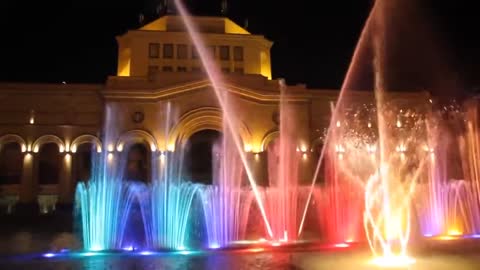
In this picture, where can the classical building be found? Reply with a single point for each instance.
(159, 100)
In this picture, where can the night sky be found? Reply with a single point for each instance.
(74, 41)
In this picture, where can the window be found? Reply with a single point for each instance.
(154, 50)
(182, 69)
(152, 69)
(238, 53)
(11, 164)
(137, 163)
(82, 164)
(238, 70)
(194, 53)
(49, 164)
(225, 70)
(211, 49)
(196, 69)
(167, 69)
(182, 52)
(168, 51)
(224, 53)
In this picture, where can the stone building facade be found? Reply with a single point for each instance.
(48, 131)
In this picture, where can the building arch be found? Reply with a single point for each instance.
(10, 138)
(201, 119)
(48, 139)
(138, 146)
(268, 138)
(202, 156)
(12, 148)
(136, 136)
(86, 138)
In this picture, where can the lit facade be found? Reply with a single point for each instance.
(48, 131)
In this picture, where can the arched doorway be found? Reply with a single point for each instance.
(273, 162)
(49, 164)
(83, 162)
(199, 156)
(11, 164)
(137, 166)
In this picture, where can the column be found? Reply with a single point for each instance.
(258, 167)
(307, 167)
(65, 186)
(27, 185)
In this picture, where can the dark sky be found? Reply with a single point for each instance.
(74, 41)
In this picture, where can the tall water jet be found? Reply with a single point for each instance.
(231, 123)
(398, 161)
(348, 84)
(284, 193)
(389, 189)
(227, 202)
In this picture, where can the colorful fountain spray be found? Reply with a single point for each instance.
(470, 151)
(380, 174)
(331, 203)
(214, 76)
(390, 165)
(284, 194)
(446, 206)
(389, 190)
(103, 203)
(167, 213)
(226, 203)
(166, 209)
(340, 199)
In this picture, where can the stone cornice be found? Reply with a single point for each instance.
(266, 91)
(135, 34)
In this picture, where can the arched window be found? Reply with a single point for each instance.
(138, 163)
(11, 164)
(83, 161)
(49, 164)
(273, 162)
(199, 156)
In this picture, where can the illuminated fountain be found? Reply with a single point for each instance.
(390, 165)
(449, 207)
(281, 205)
(386, 167)
(338, 209)
(444, 205)
(226, 203)
(340, 199)
(103, 203)
(284, 196)
(166, 209)
(230, 123)
(470, 151)
(389, 190)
